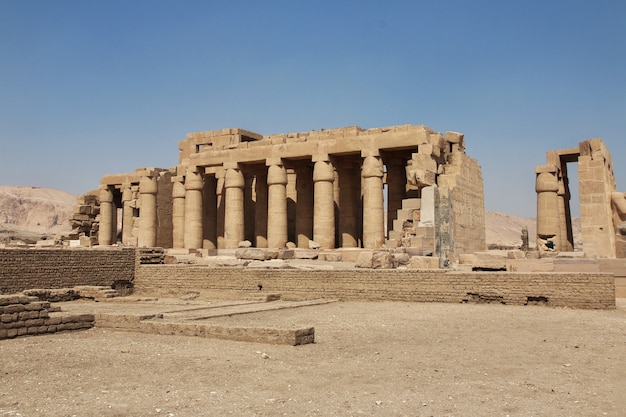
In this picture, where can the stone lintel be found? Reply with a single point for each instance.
(273, 161)
(178, 178)
(231, 165)
(546, 168)
(369, 152)
(320, 156)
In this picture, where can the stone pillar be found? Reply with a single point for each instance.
(396, 189)
(373, 203)
(349, 193)
(276, 204)
(548, 224)
(148, 210)
(127, 214)
(292, 201)
(178, 213)
(324, 203)
(233, 207)
(260, 212)
(304, 206)
(108, 221)
(209, 205)
(194, 232)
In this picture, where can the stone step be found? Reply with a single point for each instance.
(411, 203)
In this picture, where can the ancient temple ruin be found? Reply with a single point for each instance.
(602, 208)
(322, 189)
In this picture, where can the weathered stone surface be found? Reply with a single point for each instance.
(424, 262)
(491, 260)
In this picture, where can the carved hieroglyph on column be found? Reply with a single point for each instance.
(233, 207)
(324, 204)
(373, 205)
(193, 209)
(276, 204)
(148, 210)
(108, 221)
(178, 212)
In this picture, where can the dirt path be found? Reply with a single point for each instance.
(384, 359)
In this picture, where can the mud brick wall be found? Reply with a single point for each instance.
(23, 269)
(21, 315)
(576, 290)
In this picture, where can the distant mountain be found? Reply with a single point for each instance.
(506, 230)
(32, 212)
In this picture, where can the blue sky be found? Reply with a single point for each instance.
(90, 87)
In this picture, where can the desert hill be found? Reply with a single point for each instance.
(33, 212)
(29, 213)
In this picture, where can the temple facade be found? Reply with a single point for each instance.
(400, 186)
(602, 208)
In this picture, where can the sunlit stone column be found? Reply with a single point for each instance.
(260, 213)
(373, 202)
(148, 210)
(127, 214)
(193, 209)
(324, 203)
(547, 187)
(276, 204)
(233, 207)
(178, 212)
(108, 226)
(304, 206)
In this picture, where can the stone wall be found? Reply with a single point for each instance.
(22, 269)
(577, 290)
(21, 315)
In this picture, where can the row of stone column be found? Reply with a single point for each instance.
(314, 211)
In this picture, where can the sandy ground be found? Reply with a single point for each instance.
(371, 359)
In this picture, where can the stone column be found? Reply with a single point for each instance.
(148, 210)
(178, 213)
(209, 205)
(233, 207)
(108, 221)
(548, 224)
(276, 204)
(127, 214)
(304, 206)
(194, 232)
(324, 203)
(260, 212)
(373, 202)
(349, 193)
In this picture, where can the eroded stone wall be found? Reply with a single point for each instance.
(577, 290)
(22, 269)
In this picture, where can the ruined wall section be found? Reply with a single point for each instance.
(164, 209)
(461, 214)
(596, 186)
(23, 269)
(576, 290)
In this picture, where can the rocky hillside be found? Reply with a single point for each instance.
(32, 212)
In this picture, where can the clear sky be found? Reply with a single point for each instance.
(89, 87)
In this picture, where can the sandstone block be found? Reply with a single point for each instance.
(258, 254)
(492, 260)
(305, 254)
(424, 262)
(332, 257)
